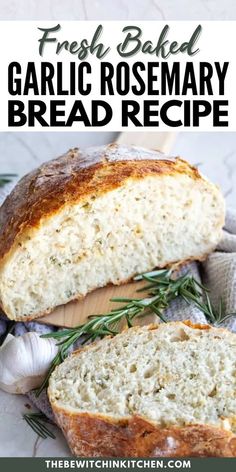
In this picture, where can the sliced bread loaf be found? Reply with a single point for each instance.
(101, 216)
(164, 390)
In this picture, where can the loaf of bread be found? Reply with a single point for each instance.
(101, 216)
(159, 390)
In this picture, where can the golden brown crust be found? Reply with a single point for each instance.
(99, 435)
(74, 177)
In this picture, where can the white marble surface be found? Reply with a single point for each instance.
(118, 9)
(20, 152)
(17, 439)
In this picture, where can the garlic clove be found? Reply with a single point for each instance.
(23, 385)
(24, 361)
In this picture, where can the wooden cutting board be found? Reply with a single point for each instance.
(75, 313)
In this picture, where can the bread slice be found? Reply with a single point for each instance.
(158, 390)
(101, 216)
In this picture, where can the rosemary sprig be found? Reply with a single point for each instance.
(6, 178)
(161, 288)
(36, 422)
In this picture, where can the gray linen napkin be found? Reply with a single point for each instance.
(218, 273)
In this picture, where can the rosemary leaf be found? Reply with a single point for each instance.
(44, 384)
(37, 422)
(6, 178)
(161, 289)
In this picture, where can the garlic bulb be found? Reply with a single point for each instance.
(24, 361)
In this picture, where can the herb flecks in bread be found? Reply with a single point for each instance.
(161, 288)
(101, 216)
(174, 378)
